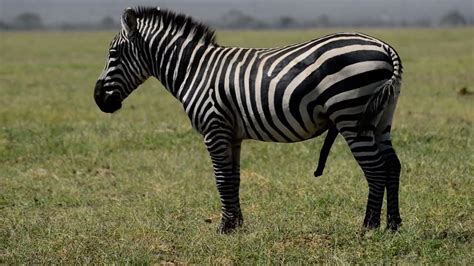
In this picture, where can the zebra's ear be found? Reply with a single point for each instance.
(129, 21)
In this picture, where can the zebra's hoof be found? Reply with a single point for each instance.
(371, 222)
(394, 223)
(228, 225)
(368, 227)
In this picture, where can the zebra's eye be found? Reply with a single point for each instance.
(114, 53)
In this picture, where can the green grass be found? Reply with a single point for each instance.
(80, 186)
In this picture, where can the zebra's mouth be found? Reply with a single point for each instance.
(108, 100)
(112, 102)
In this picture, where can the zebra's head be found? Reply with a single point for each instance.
(125, 68)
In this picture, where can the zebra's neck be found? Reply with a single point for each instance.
(172, 51)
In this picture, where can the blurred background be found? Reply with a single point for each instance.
(248, 14)
(78, 186)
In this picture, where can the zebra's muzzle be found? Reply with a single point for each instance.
(107, 99)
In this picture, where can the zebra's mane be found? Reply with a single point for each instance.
(180, 22)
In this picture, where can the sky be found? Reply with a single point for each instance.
(84, 11)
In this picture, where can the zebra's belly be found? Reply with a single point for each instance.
(282, 125)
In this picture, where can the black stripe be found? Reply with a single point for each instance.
(246, 109)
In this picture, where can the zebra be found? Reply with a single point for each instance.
(345, 83)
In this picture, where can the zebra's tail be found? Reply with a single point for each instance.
(384, 94)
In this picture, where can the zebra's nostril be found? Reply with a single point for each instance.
(98, 88)
(113, 93)
(111, 97)
(98, 92)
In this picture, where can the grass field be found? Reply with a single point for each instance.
(80, 186)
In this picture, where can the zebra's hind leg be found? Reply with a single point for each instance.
(365, 150)
(393, 167)
(225, 155)
(383, 138)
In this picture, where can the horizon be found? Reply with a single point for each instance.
(54, 12)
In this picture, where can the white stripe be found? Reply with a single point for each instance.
(258, 100)
(180, 56)
(195, 75)
(218, 81)
(239, 97)
(228, 93)
(249, 96)
(188, 73)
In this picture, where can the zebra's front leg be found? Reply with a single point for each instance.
(225, 157)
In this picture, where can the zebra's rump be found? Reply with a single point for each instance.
(297, 89)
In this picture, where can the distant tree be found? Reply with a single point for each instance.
(28, 21)
(323, 21)
(453, 18)
(108, 22)
(287, 22)
(237, 19)
(4, 26)
(423, 22)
